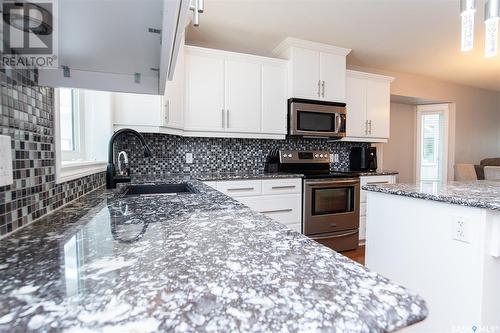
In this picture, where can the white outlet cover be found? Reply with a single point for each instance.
(460, 229)
(5, 161)
(189, 158)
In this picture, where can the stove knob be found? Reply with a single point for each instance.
(321, 155)
(289, 155)
(285, 155)
(316, 155)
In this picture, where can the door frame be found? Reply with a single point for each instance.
(446, 158)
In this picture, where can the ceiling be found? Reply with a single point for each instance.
(412, 36)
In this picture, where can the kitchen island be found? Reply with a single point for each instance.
(195, 262)
(443, 241)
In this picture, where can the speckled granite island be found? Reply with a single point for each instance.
(198, 262)
(442, 240)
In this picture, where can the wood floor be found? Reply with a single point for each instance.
(357, 255)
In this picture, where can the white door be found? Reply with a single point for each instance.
(204, 93)
(378, 108)
(432, 142)
(356, 107)
(243, 96)
(332, 76)
(306, 82)
(274, 104)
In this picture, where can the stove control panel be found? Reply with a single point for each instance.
(304, 156)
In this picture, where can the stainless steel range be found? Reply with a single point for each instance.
(330, 199)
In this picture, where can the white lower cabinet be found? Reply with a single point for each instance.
(369, 180)
(279, 199)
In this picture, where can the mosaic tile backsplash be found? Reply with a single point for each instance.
(217, 154)
(27, 116)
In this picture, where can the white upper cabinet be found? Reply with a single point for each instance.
(117, 46)
(368, 107)
(304, 78)
(274, 105)
(234, 95)
(243, 96)
(315, 71)
(140, 110)
(205, 109)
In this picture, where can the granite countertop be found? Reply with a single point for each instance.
(197, 262)
(480, 193)
(366, 173)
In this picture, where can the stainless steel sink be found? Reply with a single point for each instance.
(159, 189)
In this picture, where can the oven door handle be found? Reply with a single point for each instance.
(349, 233)
(341, 182)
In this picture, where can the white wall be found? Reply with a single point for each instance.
(399, 152)
(477, 112)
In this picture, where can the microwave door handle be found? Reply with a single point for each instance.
(338, 122)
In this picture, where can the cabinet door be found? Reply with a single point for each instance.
(204, 93)
(378, 108)
(356, 107)
(274, 104)
(137, 109)
(332, 76)
(174, 95)
(305, 73)
(243, 96)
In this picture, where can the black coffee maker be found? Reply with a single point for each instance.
(363, 159)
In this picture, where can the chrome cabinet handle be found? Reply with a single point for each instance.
(197, 7)
(377, 183)
(370, 124)
(319, 87)
(323, 88)
(283, 187)
(223, 125)
(227, 118)
(241, 189)
(366, 127)
(350, 233)
(277, 211)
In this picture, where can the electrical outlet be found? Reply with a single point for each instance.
(461, 229)
(336, 158)
(5, 161)
(189, 158)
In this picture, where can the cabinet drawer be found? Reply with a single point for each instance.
(376, 180)
(240, 188)
(281, 186)
(284, 208)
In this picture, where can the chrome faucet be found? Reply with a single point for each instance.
(111, 177)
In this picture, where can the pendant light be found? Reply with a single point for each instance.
(467, 12)
(491, 18)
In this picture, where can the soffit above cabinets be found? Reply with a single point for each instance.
(105, 42)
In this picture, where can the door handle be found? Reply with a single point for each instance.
(276, 211)
(319, 87)
(350, 233)
(323, 88)
(283, 187)
(240, 189)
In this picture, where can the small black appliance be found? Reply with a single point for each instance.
(363, 159)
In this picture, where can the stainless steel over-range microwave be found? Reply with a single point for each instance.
(316, 118)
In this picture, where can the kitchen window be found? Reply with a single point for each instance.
(83, 126)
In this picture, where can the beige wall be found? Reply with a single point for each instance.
(399, 152)
(477, 129)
